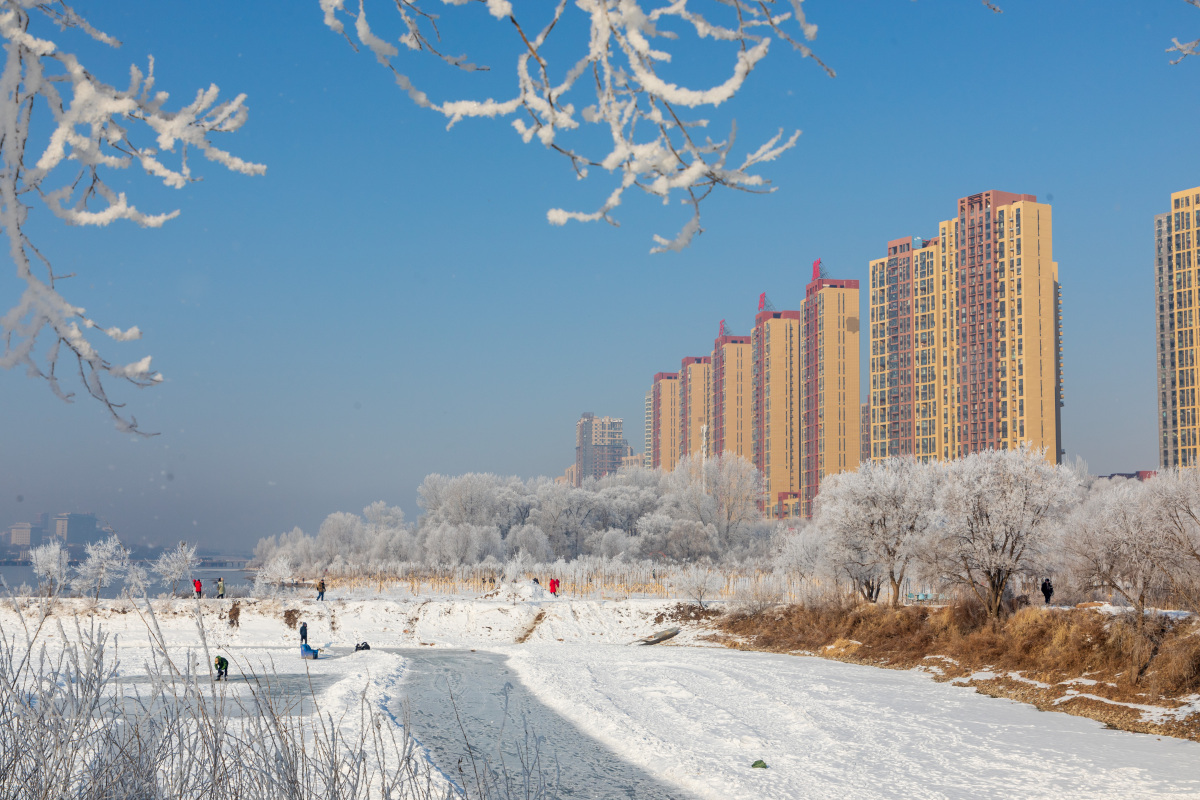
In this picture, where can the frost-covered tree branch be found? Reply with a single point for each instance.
(94, 128)
(651, 123)
(1185, 49)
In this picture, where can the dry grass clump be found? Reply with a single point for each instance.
(290, 617)
(686, 612)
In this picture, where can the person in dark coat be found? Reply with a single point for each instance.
(222, 666)
(1047, 590)
(303, 633)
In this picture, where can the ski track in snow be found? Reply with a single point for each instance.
(700, 717)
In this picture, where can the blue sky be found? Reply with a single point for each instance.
(389, 301)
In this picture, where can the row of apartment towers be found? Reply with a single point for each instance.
(965, 350)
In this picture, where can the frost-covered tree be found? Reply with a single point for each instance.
(799, 549)
(137, 579)
(878, 515)
(1116, 545)
(722, 492)
(530, 540)
(996, 512)
(63, 132)
(105, 561)
(665, 538)
(629, 83)
(50, 566)
(699, 583)
(389, 539)
(1176, 508)
(175, 565)
(272, 575)
(446, 543)
(565, 514)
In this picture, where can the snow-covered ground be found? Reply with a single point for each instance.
(685, 717)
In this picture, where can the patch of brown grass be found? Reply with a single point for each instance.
(1156, 662)
(290, 617)
(235, 614)
(686, 612)
(541, 615)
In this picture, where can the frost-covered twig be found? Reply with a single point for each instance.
(1185, 49)
(94, 127)
(645, 116)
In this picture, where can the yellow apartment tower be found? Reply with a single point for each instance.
(695, 405)
(1177, 241)
(966, 332)
(775, 405)
(664, 421)
(732, 426)
(864, 428)
(830, 411)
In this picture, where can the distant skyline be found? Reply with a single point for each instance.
(389, 301)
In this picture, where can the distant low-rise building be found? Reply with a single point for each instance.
(21, 534)
(77, 528)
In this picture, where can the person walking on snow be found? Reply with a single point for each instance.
(321, 589)
(1047, 590)
(222, 666)
(220, 588)
(554, 586)
(197, 587)
(303, 633)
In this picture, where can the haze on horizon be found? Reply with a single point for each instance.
(389, 301)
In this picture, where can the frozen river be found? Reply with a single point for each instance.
(505, 724)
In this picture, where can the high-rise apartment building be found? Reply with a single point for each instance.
(830, 412)
(864, 433)
(695, 405)
(775, 404)
(732, 426)
(664, 422)
(600, 446)
(648, 432)
(1177, 257)
(966, 332)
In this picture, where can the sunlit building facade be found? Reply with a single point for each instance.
(731, 430)
(775, 406)
(664, 421)
(695, 405)
(966, 332)
(830, 411)
(1177, 259)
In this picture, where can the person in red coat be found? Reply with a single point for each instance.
(199, 590)
(554, 586)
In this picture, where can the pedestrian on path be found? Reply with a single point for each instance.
(1047, 590)
(554, 586)
(222, 666)
(303, 633)
(321, 589)
(220, 588)
(199, 589)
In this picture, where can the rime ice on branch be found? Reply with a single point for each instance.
(95, 127)
(655, 142)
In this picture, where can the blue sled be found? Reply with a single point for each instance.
(308, 652)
